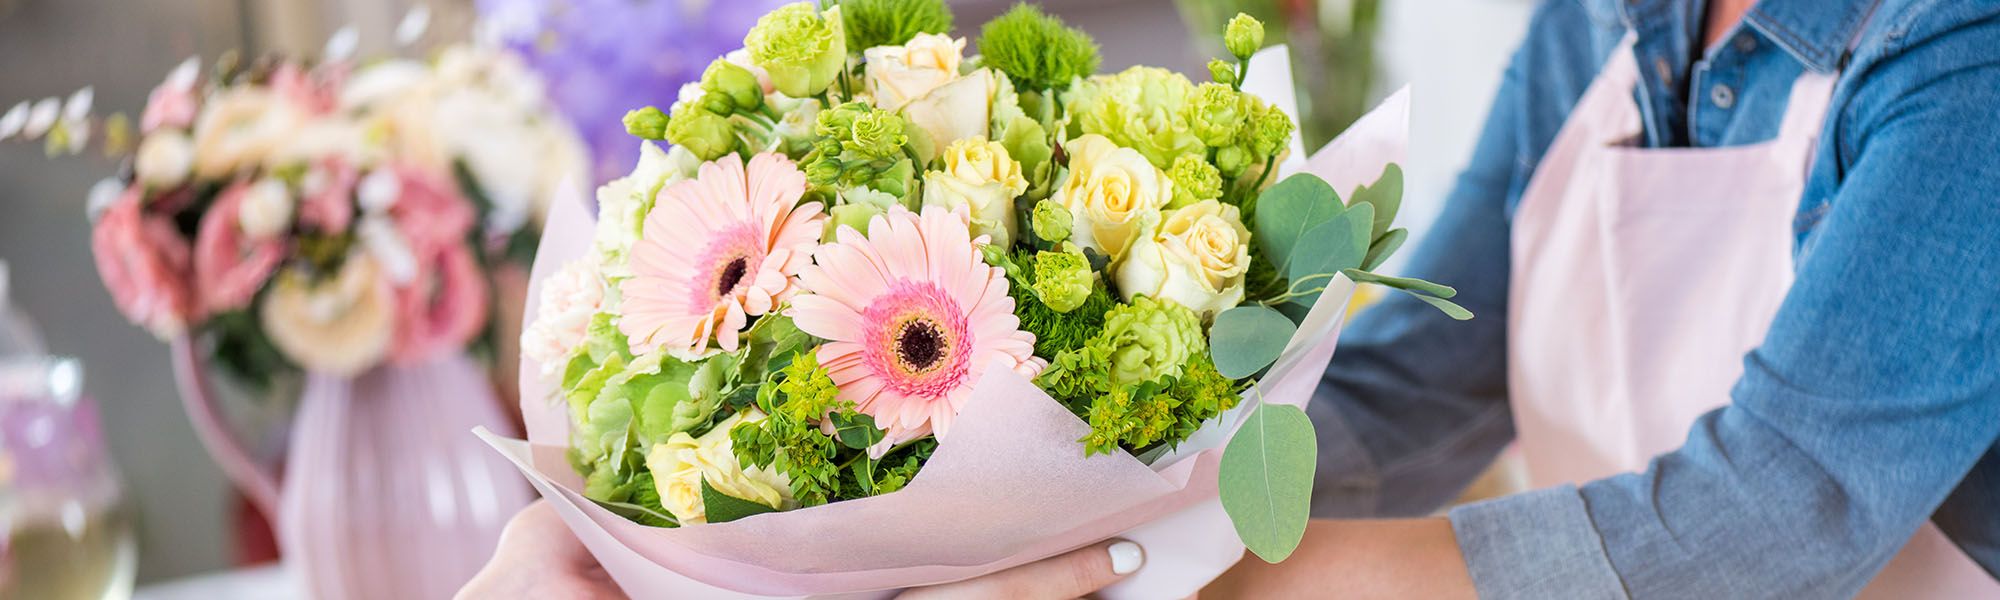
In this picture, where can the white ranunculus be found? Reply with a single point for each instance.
(1198, 259)
(1113, 194)
(979, 176)
(239, 128)
(952, 112)
(266, 210)
(681, 463)
(898, 74)
(164, 160)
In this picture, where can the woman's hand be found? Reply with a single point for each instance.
(538, 557)
(1073, 575)
(1404, 558)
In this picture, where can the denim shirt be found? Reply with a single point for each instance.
(1872, 404)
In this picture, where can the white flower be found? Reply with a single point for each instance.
(1113, 194)
(898, 74)
(569, 299)
(622, 203)
(980, 176)
(952, 112)
(239, 128)
(164, 160)
(267, 209)
(339, 326)
(1198, 259)
(681, 463)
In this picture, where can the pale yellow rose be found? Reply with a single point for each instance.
(898, 74)
(1113, 194)
(164, 159)
(337, 326)
(980, 176)
(952, 112)
(681, 463)
(1198, 259)
(239, 128)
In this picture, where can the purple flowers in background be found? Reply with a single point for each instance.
(604, 57)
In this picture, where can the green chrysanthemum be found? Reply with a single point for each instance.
(872, 23)
(1037, 51)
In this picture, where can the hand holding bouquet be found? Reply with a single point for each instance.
(886, 315)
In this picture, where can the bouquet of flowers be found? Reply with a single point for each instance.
(329, 218)
(886, 315)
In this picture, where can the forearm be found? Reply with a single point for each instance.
(1399, 558)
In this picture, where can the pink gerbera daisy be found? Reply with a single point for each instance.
(715, 251)
(913, 317)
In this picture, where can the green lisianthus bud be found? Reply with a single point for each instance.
(1233, 161)
(735, 82)
(823, 169)
(1051, 221)
(1063, 279)
(1222, 71)
(1194, 180)
(717, 103)
(1216, 113)
(801, 49)
(707, 135)
(646, 123)
(1244, 36)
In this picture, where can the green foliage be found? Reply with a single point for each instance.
(1036, 50)
(872, 23)
(1309, 235)
(1248, 338)
(1266, 479)
(823, 468)
(723, 508)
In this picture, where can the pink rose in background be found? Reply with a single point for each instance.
(314, 92)
(443, 307)
(327, 204)
(230, 265)
(172, 105)
(429, 210)
(144, 262)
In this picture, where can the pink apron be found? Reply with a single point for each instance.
(1615, 345)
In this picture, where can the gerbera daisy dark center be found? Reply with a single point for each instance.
(920, 345)
(732, 274)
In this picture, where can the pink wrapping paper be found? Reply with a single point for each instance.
(1010, 486)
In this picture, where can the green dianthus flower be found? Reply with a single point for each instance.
(876, 134)
(1149, 339)
(801, 49)
(1142, 108)
(1063, 279)
(1194, 180)
(1222, 71)
(1037, 51)
(1216, 112)
(1268, 131)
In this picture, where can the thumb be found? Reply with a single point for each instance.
(1074, 575)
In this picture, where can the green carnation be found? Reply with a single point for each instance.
(872, 23)
(860, 146)
(1037, 51)
(802, 50)
(1233, 161)
(646, 123)
(707, 135)
(1063, 279)
(876, 134)
(1051, 221)
(1142, 108)
(1244, 36)
(1149, 339)
(1268, 130)
(1216, 112)
(1194, 180)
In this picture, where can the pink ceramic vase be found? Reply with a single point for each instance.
(386, 493)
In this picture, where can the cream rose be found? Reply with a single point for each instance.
(952, 112)
(980, 176)
(340, 326)
(266, 210)
(1113, 194)
(239, 128)
(681, 463)
(1197, 259)
(164, 159)
(898, 74)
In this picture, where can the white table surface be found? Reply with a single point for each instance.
(268, 582)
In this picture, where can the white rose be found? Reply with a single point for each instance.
(980, 176)
(1113, 194)
(952, 112)
(239, 128)
(321, 138)
(267, 209)
(681, 463)
(341, 326)
(569, 299)
(1198, 259)
(164, 160)
(898, 74)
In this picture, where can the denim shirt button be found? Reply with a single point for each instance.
(1722, 96)
(1746, 43)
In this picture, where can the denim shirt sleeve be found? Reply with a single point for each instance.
(1414, 406)
(1875, 392)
